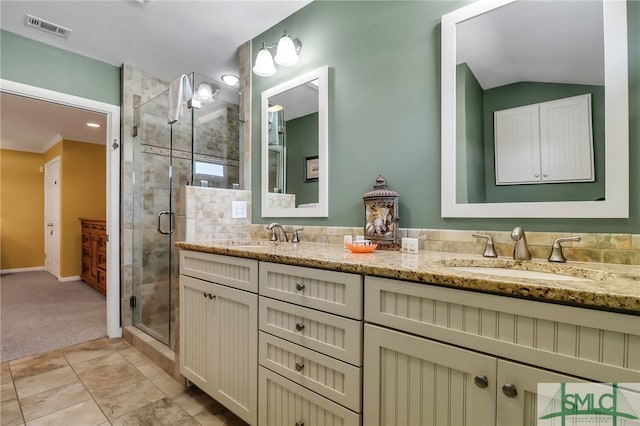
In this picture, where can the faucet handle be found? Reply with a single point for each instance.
(273, 232)
(556, 249)
(489, 250)
(296, 237)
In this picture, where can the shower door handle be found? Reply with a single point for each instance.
(171, 222)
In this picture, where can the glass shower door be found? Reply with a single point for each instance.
(154, 205)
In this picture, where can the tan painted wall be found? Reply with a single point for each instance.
(83, 194)
(21, 210)
(84, 171)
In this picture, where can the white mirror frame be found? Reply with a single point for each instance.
(616, 203)
(322, 75)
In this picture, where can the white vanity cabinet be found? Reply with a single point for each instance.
(218, 329)
(435, 355)
(310, 344)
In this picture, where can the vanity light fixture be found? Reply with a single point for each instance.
(287, 54)
(91, 124)
(230, 80)
(275, 108)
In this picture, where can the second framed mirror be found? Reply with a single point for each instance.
(294, 147)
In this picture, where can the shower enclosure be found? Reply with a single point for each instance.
(202, 149)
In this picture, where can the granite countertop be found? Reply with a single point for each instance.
(592, 285)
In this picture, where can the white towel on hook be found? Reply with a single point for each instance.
(179, 93)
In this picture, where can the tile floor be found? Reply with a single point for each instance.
(102, 382)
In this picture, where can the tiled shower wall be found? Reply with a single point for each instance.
(138, 87)
(215, 125)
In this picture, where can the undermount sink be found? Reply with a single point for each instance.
(249, 243)
(526, 269)
(518, 273)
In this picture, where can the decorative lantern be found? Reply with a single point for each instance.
(381, 218)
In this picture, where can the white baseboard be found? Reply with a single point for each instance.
(16, 270)
(67, 279)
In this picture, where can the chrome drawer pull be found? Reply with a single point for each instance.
(299, 286)
(299, 366)
(299, 326)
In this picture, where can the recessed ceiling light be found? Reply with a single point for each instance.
(230, 80)
(96, 125)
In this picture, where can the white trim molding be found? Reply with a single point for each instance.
(112, 113)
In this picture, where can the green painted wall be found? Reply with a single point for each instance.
(38, 64)
(302, 142)
(519, 94)
(384, 89)
(470, 115)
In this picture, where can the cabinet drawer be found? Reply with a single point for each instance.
(226, 270)
(327, 376)
(102, 260)
(332, 335)
(599, 345)
(336, 292)
(283, 402)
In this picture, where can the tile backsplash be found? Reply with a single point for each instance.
(593, 247)
(207, 214)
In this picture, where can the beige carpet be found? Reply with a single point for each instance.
(39, 314)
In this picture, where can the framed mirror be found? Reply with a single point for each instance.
(495, 54)
(294, 128)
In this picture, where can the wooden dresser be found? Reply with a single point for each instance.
(94, 253)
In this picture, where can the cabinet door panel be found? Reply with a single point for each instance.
(415, 381)
(235, 351)
(197, 315)
(523, 409)
(517, 145)
(566, 139)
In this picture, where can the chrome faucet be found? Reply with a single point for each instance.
(521, 249)
(283, 234)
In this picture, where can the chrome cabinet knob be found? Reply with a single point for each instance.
(299, 365)
(481, 381)
(299, 423)
(299, 286)
(509, 390)
(299, 326)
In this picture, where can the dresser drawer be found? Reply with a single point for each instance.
(327, 376)
(332, 335)
(283, 402)
(226, 270)
(330, 291)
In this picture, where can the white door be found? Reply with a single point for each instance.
(52, 217)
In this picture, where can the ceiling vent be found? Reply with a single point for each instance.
(49, 27)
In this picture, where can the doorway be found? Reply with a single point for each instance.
(112, 113)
